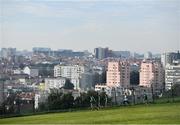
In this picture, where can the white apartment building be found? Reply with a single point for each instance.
(54, 83)
(72, 72)
(172, 75)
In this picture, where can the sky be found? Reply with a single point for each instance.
(134, 25)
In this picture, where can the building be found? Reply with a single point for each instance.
(86, 81)
(8, 52)
(169, 57)
(31, 71)
(148, 55)
(101, 53)
(54, 83)
(40, 50)
(152, 75)
(134, 67)
(118, 74)
(122, 54)
(172, 75)
(72, 72)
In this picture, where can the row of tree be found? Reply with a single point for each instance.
(57, 100)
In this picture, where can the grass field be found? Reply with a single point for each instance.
(168, 113)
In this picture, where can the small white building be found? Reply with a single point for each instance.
(31, 71)
(54, 83)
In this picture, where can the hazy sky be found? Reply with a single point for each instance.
(135, 25)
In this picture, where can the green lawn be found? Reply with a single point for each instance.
(155, 113)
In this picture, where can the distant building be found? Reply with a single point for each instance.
(172, 75)
(122, 54)
(169, 57)
(148, 55)
(31, 71)
(86, 81)
(72, 72)
(8, 52)
(54, 83)
(118, 74)
(101, 53)
(152, 75)
(134, 67)
(41, 50)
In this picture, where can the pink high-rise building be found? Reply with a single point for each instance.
(118, 73)
(152, 73)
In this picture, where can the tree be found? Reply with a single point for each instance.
(134, 78)
(68, 85)
(58, 100)
(68, 101)
(175, 91)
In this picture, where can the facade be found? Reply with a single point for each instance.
(8, 52)
(86, 81)
(172, 75)
(118, 74)
(152, 75)
(169, 57)
(134, 67)
(31, 71)
(72, 72)
(148, 55)
(54, 83)
(101, 53)
(121, 54)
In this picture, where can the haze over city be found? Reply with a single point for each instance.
(133, 25)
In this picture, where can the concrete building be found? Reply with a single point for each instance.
(172, 75)
(134, 67)
(86, 81)
(152, 75)
(169, 57)
(8, 52)
(54, 83)
(101, 53)
(72, 72)
(121, 54)
(31, 71)
(118, 74)
(148, 55)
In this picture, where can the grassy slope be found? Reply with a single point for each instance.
(157, 113)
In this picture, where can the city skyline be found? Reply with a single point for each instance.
(137, 26)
